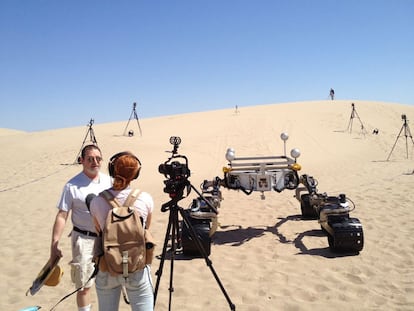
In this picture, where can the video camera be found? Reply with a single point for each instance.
(176, 172)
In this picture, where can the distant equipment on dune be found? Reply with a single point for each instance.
(354, 114)
(133, 115)
(92, 139)
(407, 133)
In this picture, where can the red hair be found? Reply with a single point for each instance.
(126, 168)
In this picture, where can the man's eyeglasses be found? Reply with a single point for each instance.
(91, 159)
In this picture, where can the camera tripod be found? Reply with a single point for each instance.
(135, 116)
(354, 114)
(173, 231)
(92, 139)
(407, 133)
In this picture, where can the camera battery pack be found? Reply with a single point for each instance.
(202, 230)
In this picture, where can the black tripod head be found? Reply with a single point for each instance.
(404, 118)
(176, 196)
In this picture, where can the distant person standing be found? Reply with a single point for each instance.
(332, 94)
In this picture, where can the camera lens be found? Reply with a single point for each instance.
(162, 169)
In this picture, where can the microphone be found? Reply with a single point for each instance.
(89, 199)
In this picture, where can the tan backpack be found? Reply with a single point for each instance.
(123, 238)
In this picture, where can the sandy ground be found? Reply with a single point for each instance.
(265, 255)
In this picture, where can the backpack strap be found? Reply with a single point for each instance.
(109, 197)
(130, 200)
(125, 210)
(132, 197)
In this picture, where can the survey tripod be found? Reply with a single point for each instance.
(92, 139)
(175, 186)
(135, 116)
(354, 114)
(407, 133)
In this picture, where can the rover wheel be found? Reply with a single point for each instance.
(308, 212)
(331, 242)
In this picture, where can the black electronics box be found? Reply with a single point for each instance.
(202, 230)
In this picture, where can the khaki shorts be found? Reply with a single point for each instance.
(82, 266)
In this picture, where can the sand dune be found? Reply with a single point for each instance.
(265, 255)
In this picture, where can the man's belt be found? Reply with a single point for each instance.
(84, 232)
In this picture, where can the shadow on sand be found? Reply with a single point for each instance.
(236, 236)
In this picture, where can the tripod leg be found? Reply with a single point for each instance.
(136, 117)
(351, 119)
(406, 143)
(92, 136)
(409, 133)
(204, 254)
(88, 132)
(362, 125)
(163, 254)
(126, 127)
(395, 142)
(174, 229)
(171, 229)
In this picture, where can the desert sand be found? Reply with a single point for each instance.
(265, 255)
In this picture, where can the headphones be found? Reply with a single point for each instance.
(112, 160)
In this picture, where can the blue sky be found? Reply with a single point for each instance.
(65, 62)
